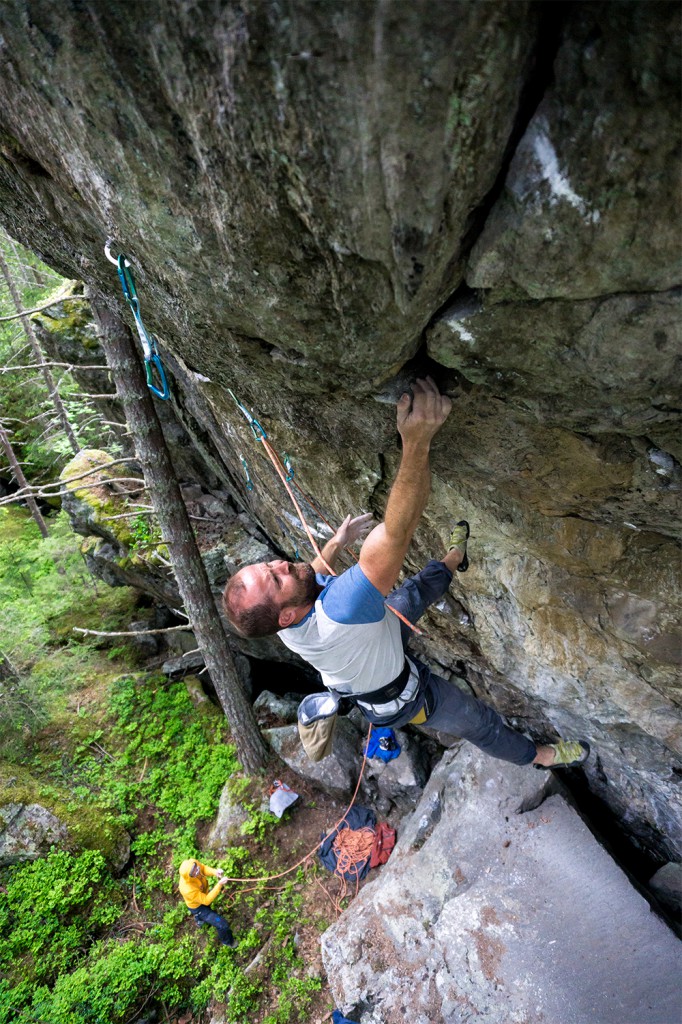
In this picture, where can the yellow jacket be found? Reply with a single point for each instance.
(194, 891)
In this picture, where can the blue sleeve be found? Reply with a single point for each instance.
(351, 599)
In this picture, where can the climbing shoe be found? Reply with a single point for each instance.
(458, 539)
(567, 754)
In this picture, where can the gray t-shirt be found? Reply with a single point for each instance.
(351, 638)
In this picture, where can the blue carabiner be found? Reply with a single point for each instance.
(249, 482)
(287, 465)
(152, 360)
(255, 427)
(149, 364)
(251, 420)
(125, 276)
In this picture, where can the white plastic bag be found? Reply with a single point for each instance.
(281, 797)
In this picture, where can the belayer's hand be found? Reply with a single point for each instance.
(352, 530)
(421, 416)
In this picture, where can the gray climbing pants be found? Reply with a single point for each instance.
(446, 707)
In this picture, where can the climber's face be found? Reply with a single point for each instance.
(289, 588)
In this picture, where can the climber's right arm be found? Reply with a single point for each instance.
(419, 418)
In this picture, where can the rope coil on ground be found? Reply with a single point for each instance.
(311, 853)
(352, 848)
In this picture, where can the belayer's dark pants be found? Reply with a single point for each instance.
(204, 915)
(448, 708)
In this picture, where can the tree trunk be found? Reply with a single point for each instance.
(122, 357)
(40, 358)
(21, 480)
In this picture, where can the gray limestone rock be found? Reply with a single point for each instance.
(268, 705)
(146, 643)
(401, 780)
(482, 912)
(176, 668)
(27, 831)
(558, 360)
(667, 885)
(591, 176)
(230, 816)
(336, 774)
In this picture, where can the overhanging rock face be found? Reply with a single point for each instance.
(321, 200)
(484, 913)
(290, 175)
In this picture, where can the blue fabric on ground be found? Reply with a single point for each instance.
(385, 751)
(357, 817)
(338, 1018)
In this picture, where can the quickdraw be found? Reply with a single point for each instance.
(287, 465)
(260, 435)
(152, 360)
(249, 481)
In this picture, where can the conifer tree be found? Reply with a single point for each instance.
(21, 480)
(39, 357)
(190, 572)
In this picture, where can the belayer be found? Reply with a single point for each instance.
(194, 889)
(341, 624)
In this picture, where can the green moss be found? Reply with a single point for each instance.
(90, 827)
(107, 506)
(72, 322)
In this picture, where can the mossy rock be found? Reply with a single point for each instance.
(70, 323)
(98, 506)
(25, 799)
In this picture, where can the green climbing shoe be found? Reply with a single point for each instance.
(567, 754)
(458, 539)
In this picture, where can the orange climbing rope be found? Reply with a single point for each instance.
(352, 848)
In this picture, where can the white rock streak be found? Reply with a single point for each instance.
(560, 186)
(464, 334)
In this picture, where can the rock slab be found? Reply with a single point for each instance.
(484, 913)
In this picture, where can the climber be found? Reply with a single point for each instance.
(340, 624)
(195, 892)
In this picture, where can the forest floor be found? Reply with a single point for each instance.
(99, 732)
(294, 840)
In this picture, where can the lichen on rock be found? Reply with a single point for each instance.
(35, 816)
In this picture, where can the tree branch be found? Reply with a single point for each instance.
(38, 309)
(134, 632)
(37, 492)
(39, 366)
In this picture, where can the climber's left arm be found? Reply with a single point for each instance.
(350, 531)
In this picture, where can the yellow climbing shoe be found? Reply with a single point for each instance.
(567, 754)
(458, 539)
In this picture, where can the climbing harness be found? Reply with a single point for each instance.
(286, 474)
(152, 360)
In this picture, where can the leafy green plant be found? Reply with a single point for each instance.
(145, 533)
(258, 824)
